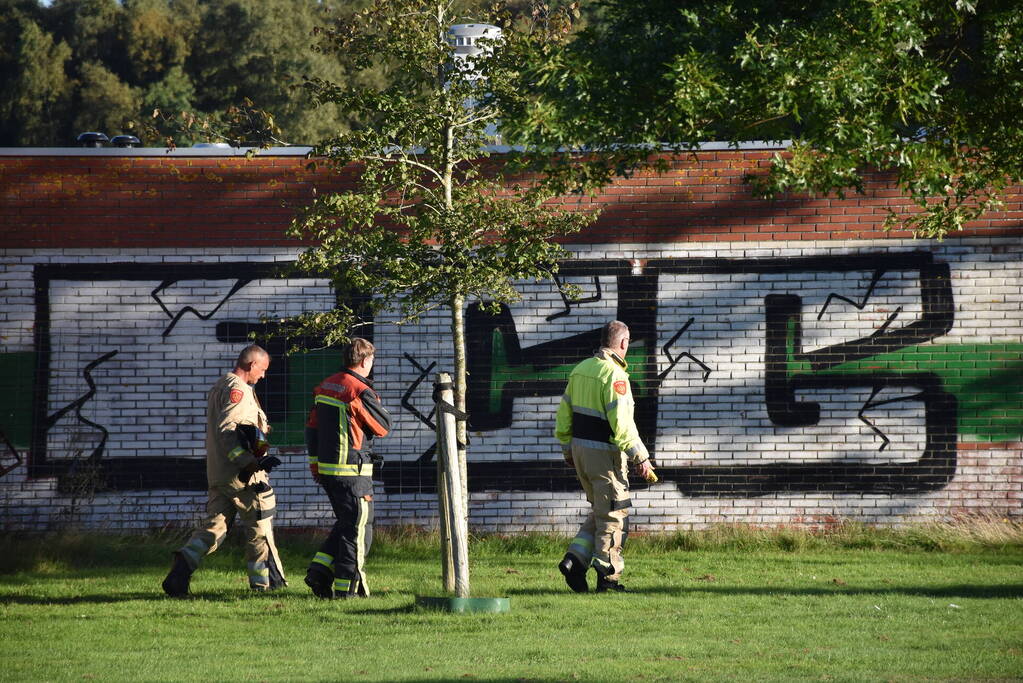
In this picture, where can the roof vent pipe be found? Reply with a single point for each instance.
(92, 139)
(125, 141)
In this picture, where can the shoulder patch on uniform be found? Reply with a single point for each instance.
(236, 395)
(621, 387)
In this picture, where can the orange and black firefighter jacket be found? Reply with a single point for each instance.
(345, 417)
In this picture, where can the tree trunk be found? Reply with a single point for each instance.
(458, 340)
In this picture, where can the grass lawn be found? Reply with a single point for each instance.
(777, 606)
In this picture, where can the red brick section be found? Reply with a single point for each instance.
(195, 202)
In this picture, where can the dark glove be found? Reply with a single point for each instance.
(268, 462)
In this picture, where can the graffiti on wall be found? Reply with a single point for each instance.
(747, 358)
(153, 326)
(502, 371)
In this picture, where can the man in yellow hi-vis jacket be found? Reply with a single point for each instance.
(598, 435)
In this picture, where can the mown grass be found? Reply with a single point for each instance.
(842, 603)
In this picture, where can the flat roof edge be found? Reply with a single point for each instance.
(150, 151)
(297, 151)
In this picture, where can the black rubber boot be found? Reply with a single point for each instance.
(176, 583)
(320, 583)
(574, 572)
(349, 596)
(608, 586)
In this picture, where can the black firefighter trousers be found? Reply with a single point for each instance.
(343, 554)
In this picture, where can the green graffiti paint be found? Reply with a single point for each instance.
(986, 379)
(502, 371)
(16, 381)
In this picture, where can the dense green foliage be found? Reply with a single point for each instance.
(722, 605)
(173, 71)
(930, 91)
(103, 65)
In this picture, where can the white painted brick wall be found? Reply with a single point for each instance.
(150, 395)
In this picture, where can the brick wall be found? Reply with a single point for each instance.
(793, 364)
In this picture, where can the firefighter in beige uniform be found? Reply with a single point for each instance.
(598, 435)
(237, 472)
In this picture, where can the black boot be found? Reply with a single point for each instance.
(574, 572)
(176, 583)
(356, 589)
(321, 584)
(349, 595)
(606, 586)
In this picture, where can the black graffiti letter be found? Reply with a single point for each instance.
(784, 341)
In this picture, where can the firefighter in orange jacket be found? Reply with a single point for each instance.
(345, 417)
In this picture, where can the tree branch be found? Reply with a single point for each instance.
(405, 160)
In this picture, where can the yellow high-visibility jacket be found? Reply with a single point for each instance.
(597, 408)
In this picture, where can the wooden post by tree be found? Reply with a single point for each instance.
(450, 485)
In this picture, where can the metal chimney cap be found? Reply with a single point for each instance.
(92, 139)
(125, 141)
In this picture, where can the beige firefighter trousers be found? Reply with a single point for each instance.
(255, 511)
(605, 480)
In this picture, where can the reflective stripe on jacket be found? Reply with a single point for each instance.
(345, 417)
(597, 408)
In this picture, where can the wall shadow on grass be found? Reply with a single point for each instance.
(204, 596)
(102, 598)
(1007, 591)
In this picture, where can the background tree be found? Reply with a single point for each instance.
(74, 65)
(159, 36)
(260, 50)
(928, 90)
(91, 28)
(36, 91)
(104, 102)
(77, 65)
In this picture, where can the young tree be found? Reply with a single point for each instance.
(430, 222)
(927, 90)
